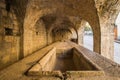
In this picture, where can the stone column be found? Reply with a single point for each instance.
(107, 45)
(107, 40)
(81, 33)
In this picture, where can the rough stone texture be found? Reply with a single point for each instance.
(37, 23)
(35, 38)
(86, 63)
(46, 63)
(62, 35)
(35, 20)
(81, 32)
(16, 71)
(108, 12)
(64, 10)
(9, 41)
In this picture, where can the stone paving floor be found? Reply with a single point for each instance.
(88, 43)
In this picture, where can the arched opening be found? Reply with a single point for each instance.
(117, 28)
(63, 34)
(62, 30)
(117, 39)
(88, 37)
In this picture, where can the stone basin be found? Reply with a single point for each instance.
(65, 62)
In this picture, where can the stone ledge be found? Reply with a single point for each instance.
(42, 66)
(56, 74)
(77, 74)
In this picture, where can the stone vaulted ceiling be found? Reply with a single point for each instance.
(32, 10)
(83, 9)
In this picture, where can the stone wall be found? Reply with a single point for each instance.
(81, 32)
(9, 37)
(107, 11)
(22, 31)
(34, 38)
(46, 63)
(82, 62)
(62, 35)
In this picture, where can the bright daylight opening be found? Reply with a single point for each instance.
(117, 40)
(88, 37)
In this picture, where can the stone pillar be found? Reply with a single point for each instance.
(96, 41)
(81, 34)
(107, 45)
(107, 40)
(49, 38)
(115, 32)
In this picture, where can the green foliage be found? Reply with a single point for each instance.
(87, 27)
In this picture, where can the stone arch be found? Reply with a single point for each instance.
(89, 14)
(107, 11)
(33, 14)
(61, 34)
(72, 29)
(96, 33)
